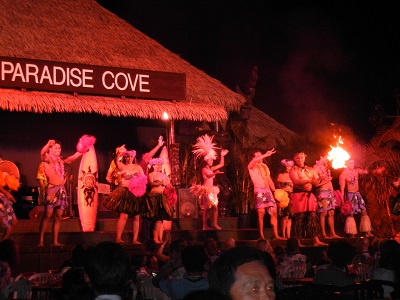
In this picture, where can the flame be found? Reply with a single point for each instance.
(338, 155)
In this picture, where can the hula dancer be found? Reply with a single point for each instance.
(56, 197)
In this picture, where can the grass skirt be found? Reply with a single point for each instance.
(305, 225)
(122, 200)
(157, 207)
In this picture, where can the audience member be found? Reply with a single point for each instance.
(362, 253)
(194, 259)
(339, 253)
(174, 254)
(9, 259)
(242, 273)
(388, 261)
(149, 249)
(264, 246)
(209, 294)
(108, 270)
(78, 255)
(211, 248)
(292, 253)
(278, 250)
(229, 243)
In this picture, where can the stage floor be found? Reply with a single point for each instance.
(39, 259)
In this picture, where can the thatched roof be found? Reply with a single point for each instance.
(266, 133)
(81, 31)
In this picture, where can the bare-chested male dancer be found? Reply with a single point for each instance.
(56, 199)
(327, 202)
(264, 188)
(305, 223)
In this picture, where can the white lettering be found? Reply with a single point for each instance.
(133, 87)
(142, 83)
(75, 74)
(61, 77)
(32, 71)
(86, 78)
(123, 88)
(5, 70)
(46, 75)
(103, 80)
(18, 73)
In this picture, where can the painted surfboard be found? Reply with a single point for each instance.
(166, 168)
(88, 190)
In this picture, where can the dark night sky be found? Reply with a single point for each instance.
(318, 64)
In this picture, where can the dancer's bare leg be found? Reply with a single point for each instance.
(215, 217)
(331, 224)
(161, 232)
(205, 212)
(274, 223)
(317, 242)
(288, 228)
(284, 222)
(156, 232)
(260, 215)
(120, 227)
(7, 233)
(43, 224)
(56, 226)
(322, 217)
(135, 229)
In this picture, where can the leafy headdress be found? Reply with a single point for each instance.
(205, 147)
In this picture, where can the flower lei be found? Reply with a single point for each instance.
(263, 170)
(304, 169)
(58, 165)
(353, 176)
(156, 161)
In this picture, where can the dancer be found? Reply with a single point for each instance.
(284, 183)
(127, 198)
(113, 176)
(144, 163)
(56, 198)
(42, 179)
(208, 193)
(160, 207)
(263, 189)
(305, 223)
(7, 183)
(327, 202)
(349, 188)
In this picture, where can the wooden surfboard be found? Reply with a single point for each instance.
(88, 190)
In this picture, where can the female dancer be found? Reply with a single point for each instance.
(284, 183)
(127, 197)
(160, 208)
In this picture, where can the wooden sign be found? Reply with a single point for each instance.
(90, 79)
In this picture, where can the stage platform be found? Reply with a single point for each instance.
(39, 259)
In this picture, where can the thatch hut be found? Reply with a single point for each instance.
(81, 32)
